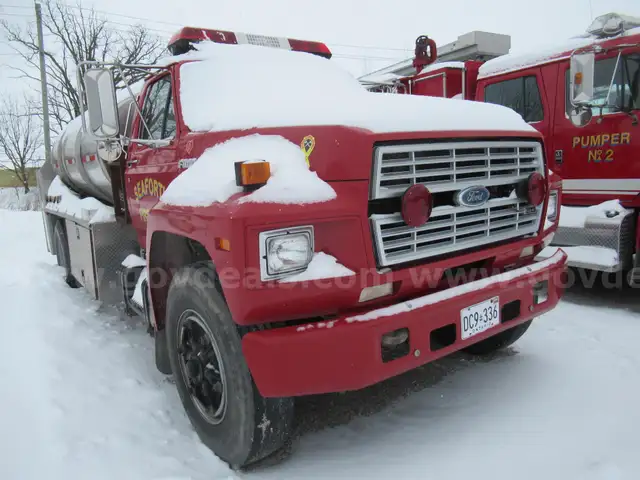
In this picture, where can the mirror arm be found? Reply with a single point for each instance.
(135, 103)
(83, 97)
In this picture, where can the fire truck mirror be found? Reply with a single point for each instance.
(581, 116)
(101, 103)
(582, 78)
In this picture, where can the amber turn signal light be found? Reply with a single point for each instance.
(223, 244)
(252, 173)
(577, 78)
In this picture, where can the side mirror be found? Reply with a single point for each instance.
(101, 103)
(581, 116)
(582, 78)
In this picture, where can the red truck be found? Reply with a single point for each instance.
(280, 242)
(597, 159)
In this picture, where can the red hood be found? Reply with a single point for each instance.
(345, 153)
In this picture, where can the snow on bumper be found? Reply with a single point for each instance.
(345, 353)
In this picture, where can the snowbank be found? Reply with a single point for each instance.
(576, 217)
(322, 266)
(88, 209)
(211, 178)
(585, 255)
(309, 90)
(16, 199)
(82, 398)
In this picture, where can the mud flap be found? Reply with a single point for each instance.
(162, 352)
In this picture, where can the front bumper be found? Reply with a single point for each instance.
(597, 243)
(345, 353)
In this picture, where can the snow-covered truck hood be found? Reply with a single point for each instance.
(298, 97)
(239, 87)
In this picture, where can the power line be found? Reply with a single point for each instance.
(349, 56)
(173, 24)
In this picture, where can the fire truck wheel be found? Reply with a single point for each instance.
(499, 341)
(62, 253)
(212, 377)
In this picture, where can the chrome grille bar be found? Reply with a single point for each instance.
(449, 166)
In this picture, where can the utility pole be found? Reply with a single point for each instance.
(43, 84)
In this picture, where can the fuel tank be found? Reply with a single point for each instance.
(75, 157)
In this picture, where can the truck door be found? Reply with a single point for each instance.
(598, 162)
(149, 168)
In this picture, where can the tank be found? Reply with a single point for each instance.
(75, 157)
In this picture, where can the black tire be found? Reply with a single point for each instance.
(500, 341)
(250, 427)
(62, 253)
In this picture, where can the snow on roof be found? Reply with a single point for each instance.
(223, 93)
(212, 178)
(515, 61)
(438, 66)
(88, 209)
(546, 54)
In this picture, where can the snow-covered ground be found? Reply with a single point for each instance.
(16, 199)
(81, 397)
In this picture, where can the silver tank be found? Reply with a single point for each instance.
(75, 158)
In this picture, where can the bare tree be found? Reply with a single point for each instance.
(76, 34)
(20, 138)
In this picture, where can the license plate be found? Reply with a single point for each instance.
(479, 317)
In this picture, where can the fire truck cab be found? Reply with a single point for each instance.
(584, 97)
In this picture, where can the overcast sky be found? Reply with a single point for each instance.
(393, 26)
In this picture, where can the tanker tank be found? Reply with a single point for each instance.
(75, 157)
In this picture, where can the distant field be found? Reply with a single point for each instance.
(8, 179)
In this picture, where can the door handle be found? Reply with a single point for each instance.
(132, 162)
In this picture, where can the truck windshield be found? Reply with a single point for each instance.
(616, 84)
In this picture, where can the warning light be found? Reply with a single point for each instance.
(252, 173)
(184, 40)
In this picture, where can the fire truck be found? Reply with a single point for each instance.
(437, 230)
(592, 140)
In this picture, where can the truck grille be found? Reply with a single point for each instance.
(448, 168)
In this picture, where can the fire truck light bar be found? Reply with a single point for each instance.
(183, 41)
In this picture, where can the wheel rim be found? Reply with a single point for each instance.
(201, 367)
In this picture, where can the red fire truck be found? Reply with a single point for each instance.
(435, 225)
(597, 157)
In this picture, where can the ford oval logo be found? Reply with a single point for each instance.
(472, 196)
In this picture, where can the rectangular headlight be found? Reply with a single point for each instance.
(285, 251)
(552, 209)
